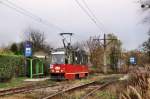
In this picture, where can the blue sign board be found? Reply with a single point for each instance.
(28, 49)
(132, 60)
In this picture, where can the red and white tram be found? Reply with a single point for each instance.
(70, 64)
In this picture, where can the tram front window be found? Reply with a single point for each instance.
(58, 59)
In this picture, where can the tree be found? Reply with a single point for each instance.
(95, 52)
(14, 48)
(21, 48)
(38, 40)
(146, 46)
(145, 5)
(114, 51)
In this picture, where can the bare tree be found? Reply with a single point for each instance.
(38, 40)
(95, 52)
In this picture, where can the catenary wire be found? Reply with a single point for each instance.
(94, 16)
(89, 15)
(29, 14)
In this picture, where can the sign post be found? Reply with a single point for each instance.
(28, 49)
(27, 53)
(132, 60)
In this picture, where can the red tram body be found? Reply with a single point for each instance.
(72, 67)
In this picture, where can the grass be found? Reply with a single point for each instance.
(97, 95)
(46, 82)
(14, 82)
(104, 95)
(19, 81)
(75, 95)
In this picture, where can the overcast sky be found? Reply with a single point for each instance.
(121, 17)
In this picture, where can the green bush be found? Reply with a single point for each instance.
(10, 66)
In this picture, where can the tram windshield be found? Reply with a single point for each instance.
(58, 58)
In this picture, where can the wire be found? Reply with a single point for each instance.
(89, 15)
(86, 5)
(29, 14)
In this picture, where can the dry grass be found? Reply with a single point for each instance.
(74, 95)
(138, 85)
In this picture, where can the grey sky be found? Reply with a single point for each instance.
(121, 17)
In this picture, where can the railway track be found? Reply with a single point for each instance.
(67, 90)
(60, 88)
(96, 89)
(22, 89)
(94, 84)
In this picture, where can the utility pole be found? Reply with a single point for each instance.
(105, 43)
(104, 58)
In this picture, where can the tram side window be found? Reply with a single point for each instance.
(77, 58)
(80, 58)
(66, 61)
(84, 59)
(73, 58)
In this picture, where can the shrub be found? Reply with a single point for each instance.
(10, 66)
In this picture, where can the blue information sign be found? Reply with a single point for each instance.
(132, 60)
(28, 49)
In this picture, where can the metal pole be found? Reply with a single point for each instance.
(105, 66)
(25, 66)
(37, 67)
(42, 67)
(104, 58)
(31, 75)
(25, 61)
